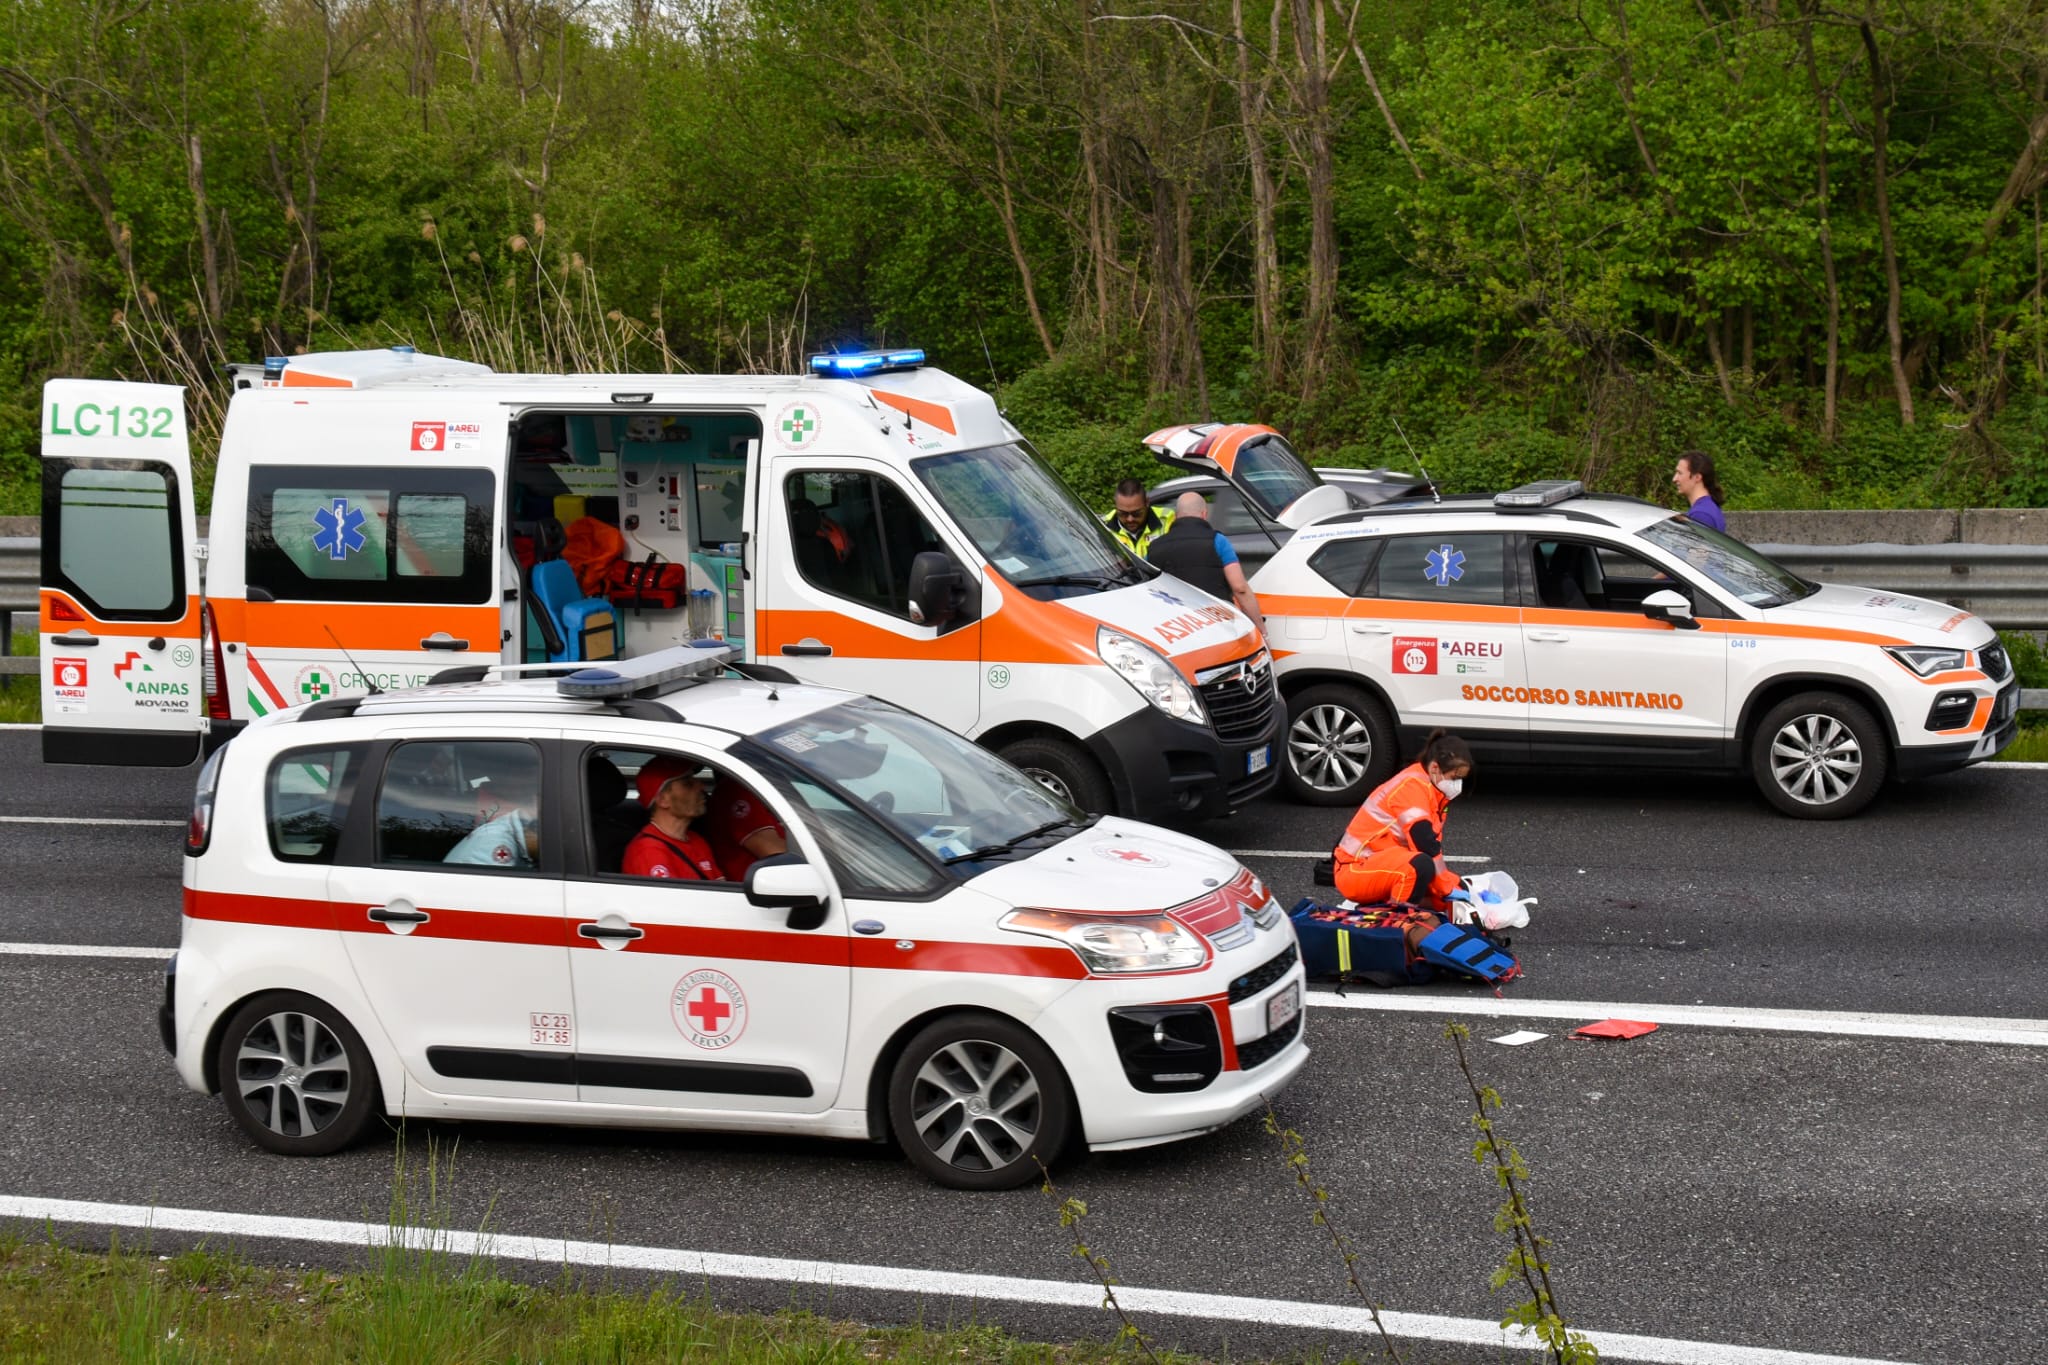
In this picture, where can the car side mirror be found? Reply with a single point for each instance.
(938, 593)
(787, 882)
(1669, 606)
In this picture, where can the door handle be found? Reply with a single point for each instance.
(808, 649)
(77, 641)
(384, 914)
(1548, 637)
(606, 931)
(1361, 628)
(440, 639)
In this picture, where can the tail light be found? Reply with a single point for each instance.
(213, 673)
(60, 610)
(199, 829)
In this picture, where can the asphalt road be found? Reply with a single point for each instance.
(1868, 1197)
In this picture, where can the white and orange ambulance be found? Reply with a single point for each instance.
(1548, 626)
(379, 516)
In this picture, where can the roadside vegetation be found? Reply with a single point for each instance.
(1551, 239)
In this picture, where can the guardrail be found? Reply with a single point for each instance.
(2007, 585)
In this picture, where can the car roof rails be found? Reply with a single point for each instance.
(650, 675)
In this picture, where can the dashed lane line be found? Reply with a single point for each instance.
(1289, 1313)
(82, 950)
(1944, 1028)
(1324, 853)
(84, 820)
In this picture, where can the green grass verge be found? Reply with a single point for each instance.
(60, 1305)
(21, 694)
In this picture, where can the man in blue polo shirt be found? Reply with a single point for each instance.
(1203, 557)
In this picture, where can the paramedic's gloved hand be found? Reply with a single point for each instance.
(1461, 894)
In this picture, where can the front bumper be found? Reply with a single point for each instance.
(1165, 769)
(1239, 990)
(1913, 761)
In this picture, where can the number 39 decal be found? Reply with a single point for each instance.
(90, 419)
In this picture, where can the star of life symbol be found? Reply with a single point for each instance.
(1444, 566)
(1167, 597)
(709, 1008)
(338, 530)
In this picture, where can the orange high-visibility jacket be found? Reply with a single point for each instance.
(1385, 817)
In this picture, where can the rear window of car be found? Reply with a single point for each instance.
(370, 534)
(1348, 565)
(306, 799)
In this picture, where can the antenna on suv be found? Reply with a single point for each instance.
(1434, 496)
(375, 690)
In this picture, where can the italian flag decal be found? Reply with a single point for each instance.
(262, 702)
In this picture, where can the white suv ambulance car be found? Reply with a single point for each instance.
(412, 904)
(1551, 627)
(379, 515)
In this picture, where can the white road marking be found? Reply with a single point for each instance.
(1324, 853)
(84, 820)
(1336, 1318)
(1943, 1028)
(81, 950)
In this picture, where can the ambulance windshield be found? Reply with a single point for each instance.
(946, 795)
(1755, 580)
(1029, 524)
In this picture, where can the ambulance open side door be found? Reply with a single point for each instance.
(120, 599)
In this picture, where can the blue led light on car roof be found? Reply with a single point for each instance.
(854, 364)
(648, 675)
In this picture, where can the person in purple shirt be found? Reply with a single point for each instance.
(1694, 479)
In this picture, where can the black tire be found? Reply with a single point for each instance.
(1819, 756)
(1063, 768)
(1339, 745)
(295, 1076)
(977, 1102)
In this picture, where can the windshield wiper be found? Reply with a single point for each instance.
(1010, 845)
(1070, 580)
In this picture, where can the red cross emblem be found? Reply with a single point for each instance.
(1129, 857)
(709, 1008)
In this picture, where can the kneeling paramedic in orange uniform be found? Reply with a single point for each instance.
(1393, 848)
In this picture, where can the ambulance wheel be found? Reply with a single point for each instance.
(295, 1076)
(1819, 756)
(977, 1102)
(1340, 745)
(1063, 768)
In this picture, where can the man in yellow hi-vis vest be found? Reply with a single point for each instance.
(1134, 524)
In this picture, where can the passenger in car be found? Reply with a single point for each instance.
(509, 838)
(741, 828)
(674, 792)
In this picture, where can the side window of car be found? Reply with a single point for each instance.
(732, 829)
(471, 804)
(306, 799)
(1228, 513)
(1349, 565)
(370, 534)
(855, 535)
(1581, 575)
(1451, 567)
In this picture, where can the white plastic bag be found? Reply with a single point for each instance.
(1497, 903)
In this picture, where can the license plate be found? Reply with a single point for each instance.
(1257, 759)
(1282, 1008)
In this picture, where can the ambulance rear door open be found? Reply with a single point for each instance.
(120, 599)
(358, 555)
(1277, 484)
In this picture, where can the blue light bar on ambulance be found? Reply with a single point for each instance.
(650, 675)
(1543, 493)
(854, 364)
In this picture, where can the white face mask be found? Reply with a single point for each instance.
(1450, 787)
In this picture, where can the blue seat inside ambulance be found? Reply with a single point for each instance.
(586, 627)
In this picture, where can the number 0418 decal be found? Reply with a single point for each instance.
(90, 419)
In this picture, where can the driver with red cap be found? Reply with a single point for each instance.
(673, 790)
